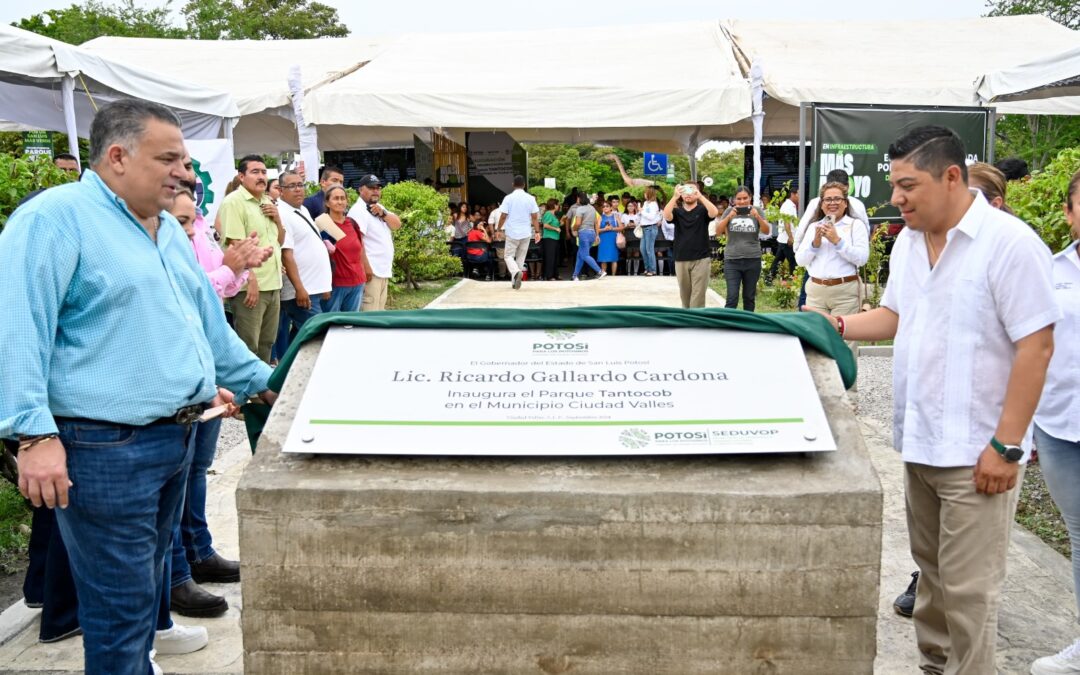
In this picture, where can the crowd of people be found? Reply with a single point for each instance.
(115, 385)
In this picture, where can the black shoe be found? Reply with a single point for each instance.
(70, 634)
(517, 280)
(190, 599)
(215, 570)
(905, 602)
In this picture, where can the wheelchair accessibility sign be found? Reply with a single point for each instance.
(655, 165)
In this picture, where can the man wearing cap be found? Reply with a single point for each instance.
(521, 222)
(376, 225)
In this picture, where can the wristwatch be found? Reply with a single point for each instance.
(1010, 453)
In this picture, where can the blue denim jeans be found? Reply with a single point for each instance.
(648, 246)
(344, 299)
(127, 492)
(292, 318)
(1060, 461)
(585, 240)
(191, 535)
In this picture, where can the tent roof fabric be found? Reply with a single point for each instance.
(1050, 76)
(933, 62)
(255, 72)
(571, 79)
(30, 59)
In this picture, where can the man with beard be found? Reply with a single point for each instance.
(249, 210)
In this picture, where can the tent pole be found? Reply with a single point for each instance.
(992, 136)
(67, 87)
(757, 89)
(803, 189)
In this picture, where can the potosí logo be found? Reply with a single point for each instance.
(681, 437)
(557, 341)
(634, 438)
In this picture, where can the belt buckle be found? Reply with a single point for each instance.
(188, 416)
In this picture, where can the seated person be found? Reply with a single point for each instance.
(478, 255)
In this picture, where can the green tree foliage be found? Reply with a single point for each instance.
(725, 168)
(1037, 138)
(1038, 201)
(543, 194)
(22, 174)
(1065, 12)
(261, 20)
(588, 167)
(420, 249)
(80, 23)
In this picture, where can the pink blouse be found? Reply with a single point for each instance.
(226, 283)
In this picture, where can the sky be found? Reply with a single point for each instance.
(364, 17)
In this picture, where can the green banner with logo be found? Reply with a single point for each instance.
(857, 138)
(37, 143)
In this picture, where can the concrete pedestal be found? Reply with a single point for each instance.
(727, 564)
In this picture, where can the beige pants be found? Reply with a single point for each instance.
(693, 277)
(959, 540)
(257, 326)
(516, 251)
(374, 294)
(839, 300)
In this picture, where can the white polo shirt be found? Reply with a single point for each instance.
(518, 207)
(954, 346)
(836, 261)
(1059, 407)
(309, 252)
(378, 239)
(789, 209)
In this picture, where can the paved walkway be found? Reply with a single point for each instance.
(1037, 617)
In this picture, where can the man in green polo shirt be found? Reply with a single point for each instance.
(246, 210)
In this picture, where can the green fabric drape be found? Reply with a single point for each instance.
(814, 330)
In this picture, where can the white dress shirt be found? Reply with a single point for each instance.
(855, 208)
(519, 207)
(1059, 407)
(959, 323)
(835, 261)
(789, 209)
(378, 239)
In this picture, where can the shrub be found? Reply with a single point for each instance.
(22, 174)
(1038, 200)
(543, 194)
(420, 248)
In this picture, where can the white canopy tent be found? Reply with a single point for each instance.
(1053, 76)
(255, 73)
(46, 84)
(566, 85)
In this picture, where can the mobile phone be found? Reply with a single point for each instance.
(742, 210)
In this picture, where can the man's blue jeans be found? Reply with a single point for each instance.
(1060, 461)
(127, 492)
(344, 299)
(648, 246)
(191, 535)
(292, 318)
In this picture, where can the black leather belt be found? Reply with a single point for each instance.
(185, 416)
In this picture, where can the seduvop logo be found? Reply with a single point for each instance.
(560, 341)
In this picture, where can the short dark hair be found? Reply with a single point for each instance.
(123, 122)
(1014, 168)
(66, 155)
(837, 176)
(519, 181)
(932, 149)
(242, 167)
(329, 169)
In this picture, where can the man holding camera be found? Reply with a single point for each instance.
(691, 212)
(376, 225)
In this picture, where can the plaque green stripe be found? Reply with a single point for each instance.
(566, 423)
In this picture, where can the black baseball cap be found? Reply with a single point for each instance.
(370, 181)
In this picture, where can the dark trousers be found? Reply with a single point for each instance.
(743, 272)
(550, 250)
(783, 252)
(48, 577)
(802, 291)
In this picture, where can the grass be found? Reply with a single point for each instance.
(402, 297)
(14, 529)
(1037, 512)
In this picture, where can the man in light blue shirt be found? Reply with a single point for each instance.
(113, 343)
(522, 224)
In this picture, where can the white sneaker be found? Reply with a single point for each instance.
(575, 279)
(1065, 662)
(602, 275)
(180, 639)
(154, 667)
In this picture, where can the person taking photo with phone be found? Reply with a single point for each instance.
(832, 252)
(742, 256)
(690, 212)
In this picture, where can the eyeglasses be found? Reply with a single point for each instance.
(292, 186)
(833, 200)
